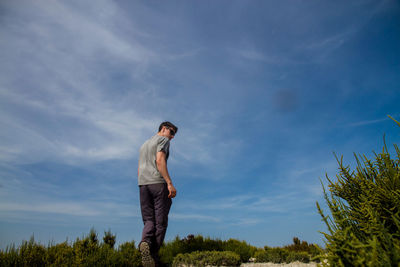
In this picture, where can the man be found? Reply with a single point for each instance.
(156, 192)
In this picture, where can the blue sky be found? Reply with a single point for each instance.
(263, 93)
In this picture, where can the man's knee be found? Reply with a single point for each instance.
(149, 226)
(162, 225)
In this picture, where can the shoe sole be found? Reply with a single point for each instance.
(147, 259)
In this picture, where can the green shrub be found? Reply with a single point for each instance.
(241, 248)
(298, 251)
(87, 251)
(189, 244)
(301, 256)
(303, 246)
(10, 257)
(109, 239)
(311, 250)
(60, 255)
(198, 243)
(260, 256)
(275, 255)
(32, 254)
(169, 250)
(204, 258)
(129, 255)
(364, 229)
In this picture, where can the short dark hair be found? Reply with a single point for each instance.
(168, 125)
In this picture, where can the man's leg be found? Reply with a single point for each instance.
(147, 209)
(162, 205)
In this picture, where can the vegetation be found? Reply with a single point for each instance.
(87, 251)
(207, 258)
(303, 246)
(364, 227)
(363, 230)
(192, 250)
(198, 243)
(298, 251)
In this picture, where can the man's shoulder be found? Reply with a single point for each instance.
(160, 139)
(156, 140)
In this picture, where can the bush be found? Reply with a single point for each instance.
(298, 256)
(198, 243)
(241, 248)
(87, 251)
(204, 258)
(261, 256)
(60, 255)
(298, 251)
(109, 239)
(275, 255)
(129, 255)
(169, 250)
(10, 257)
(303, 246)
(365, 207)
(92, 251)
(32, 254)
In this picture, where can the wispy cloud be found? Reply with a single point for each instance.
(254, 94)
(245, 222)
(367, 122)
(66, 106)
(63, 87)
(76, 209)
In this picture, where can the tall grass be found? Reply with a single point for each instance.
(86, 251)
(91, 251)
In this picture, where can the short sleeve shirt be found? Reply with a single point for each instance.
(148, 172)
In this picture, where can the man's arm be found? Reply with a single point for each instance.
(162, 168)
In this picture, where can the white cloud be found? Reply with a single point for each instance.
(60, 108)
(65, 107)
(68, 208)
(246, 221)
(248, 55)
(367, 122)
(60, 208)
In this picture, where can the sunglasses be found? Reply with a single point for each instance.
(171, 131)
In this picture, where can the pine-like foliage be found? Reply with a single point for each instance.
(364, 229)
(86, 251)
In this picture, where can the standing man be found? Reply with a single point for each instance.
(156, 192)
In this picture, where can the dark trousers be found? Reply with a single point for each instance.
(155, 206)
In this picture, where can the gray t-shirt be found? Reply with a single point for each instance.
(148, 172)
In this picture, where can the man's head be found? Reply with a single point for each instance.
(167, 129)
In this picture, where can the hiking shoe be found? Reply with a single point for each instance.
(147, 259)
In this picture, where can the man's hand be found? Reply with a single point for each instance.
(172, 191)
